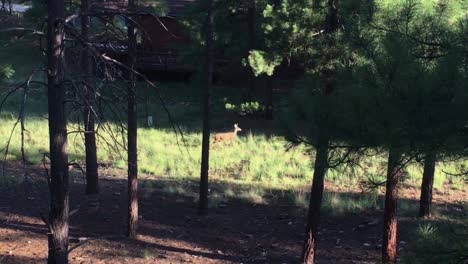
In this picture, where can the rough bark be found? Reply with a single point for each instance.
(425, 202)
(203, 199)
(389, 241)
(132, 131)
(92, 184)
(316, 194)
(58, 185)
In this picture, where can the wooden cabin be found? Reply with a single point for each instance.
(161, 35)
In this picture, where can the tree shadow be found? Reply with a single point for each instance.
(237, 229)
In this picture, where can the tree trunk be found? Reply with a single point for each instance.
(389, 242)
(92, 184)
(272, 81)
(425, 202)
(203, 200)
(321, 159)
(132, 131)
(252, 42)
(58, 185)
(316, 194)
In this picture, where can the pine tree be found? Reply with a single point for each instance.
(59, 183)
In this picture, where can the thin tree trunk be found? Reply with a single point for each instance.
(321, 159)
(132, 131)
(203, 199)
(58, 185)
(389, 242)
(425, 202)
(316, 194)
(252, 42)
(269, 100)
(92, 184)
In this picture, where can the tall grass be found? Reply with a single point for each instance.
(251, 159)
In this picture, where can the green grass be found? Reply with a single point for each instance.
(251, 159)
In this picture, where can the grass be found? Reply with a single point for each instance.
(438, 242)
(253, 159)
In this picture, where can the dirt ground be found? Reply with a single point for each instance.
(235, 231)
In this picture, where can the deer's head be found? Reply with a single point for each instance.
(237, 128)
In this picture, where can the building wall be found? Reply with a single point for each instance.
(162, 34)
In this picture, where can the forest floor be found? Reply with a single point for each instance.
(234, 231)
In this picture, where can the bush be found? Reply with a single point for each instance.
(247, 108)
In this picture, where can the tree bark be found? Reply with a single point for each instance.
(92, 184)
(203, 199)
(389, 242)
(316, 194)
(427, 184)
(132, 130)
(59, 184)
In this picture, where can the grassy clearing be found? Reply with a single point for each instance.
(254, 159)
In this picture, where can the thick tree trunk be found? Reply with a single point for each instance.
(425, 202)
(203, 199)
(389, 242)
(59, 193)
(92, 184)
(132, 131)
(313, 219)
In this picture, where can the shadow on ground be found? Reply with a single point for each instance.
(237, 230)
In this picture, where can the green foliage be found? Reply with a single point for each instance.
(232, 41)
(426, 230)
(245, 108)
(6, 71)
(263, 63)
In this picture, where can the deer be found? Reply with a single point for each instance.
(228, 136)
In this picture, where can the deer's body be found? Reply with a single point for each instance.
(228, 136)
